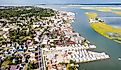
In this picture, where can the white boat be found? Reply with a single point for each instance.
(119, 59)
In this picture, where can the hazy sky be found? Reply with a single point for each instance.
(33, 2)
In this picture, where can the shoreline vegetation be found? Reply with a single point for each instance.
(104, 29)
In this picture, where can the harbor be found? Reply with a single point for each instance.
(75, 54)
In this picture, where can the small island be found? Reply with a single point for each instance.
(104, 29)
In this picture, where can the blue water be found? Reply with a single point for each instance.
(114, 21)
(103, 44)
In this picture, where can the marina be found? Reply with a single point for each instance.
(75, 54)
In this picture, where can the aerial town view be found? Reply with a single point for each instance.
(60, 35)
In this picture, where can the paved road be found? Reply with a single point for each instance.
(40, 58)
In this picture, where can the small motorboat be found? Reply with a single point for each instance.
(119, 58)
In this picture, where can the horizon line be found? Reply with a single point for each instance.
(62, 4)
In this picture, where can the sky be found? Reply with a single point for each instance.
(34, 2)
